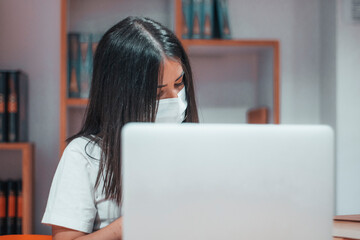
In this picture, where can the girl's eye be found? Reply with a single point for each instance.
(160, 93)
(179, 84)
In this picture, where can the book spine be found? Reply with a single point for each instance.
(23, 107)
(17, 106)
(95, 39)
(2, 208)
(11, 207)
(73, 65)
(196, 19)
(186, 19)
(19, 208)
(223, 18)
(85, 64)
(3, 107)
(208, 19)
(13, 107)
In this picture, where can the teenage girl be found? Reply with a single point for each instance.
(141, 73)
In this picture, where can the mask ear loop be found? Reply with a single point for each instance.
(185, 117)
(186, 99)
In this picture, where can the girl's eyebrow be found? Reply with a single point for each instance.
(182, 74)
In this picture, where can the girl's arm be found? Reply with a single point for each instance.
(111, 232)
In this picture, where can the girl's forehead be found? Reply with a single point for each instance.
(172, 66)
(171, 71)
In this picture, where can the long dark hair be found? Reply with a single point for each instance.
(127, 70)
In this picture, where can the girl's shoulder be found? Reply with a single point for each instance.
(80, 142)
(85, 147)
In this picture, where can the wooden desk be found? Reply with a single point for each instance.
(346, 227)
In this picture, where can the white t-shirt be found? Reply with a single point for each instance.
(73, 200)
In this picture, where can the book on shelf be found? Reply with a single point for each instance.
(2, 208)
(16, 102)
(207, 18)
(13, 106)
(95, 39)
(19, 208)
(85, 64)
(73, 65)
(222, 13)
(196, 19)
(82, 47)
(3, 115)
(347, 226)
(258, 115)
(186, 19)
(11, 207)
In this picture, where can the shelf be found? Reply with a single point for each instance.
(77, 102)
(245, 61)
(351, 218)
(229, 42)
(221, 47)
(15, 146)
(27, 156)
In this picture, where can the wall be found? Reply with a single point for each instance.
(348, 111)
(340, 57)
(109, 12)
(295, 24)
(328, 64)
(30, 40)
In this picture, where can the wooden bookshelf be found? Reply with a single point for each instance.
(233, 45)
(191, 45)
(236, 43)
(27, 156)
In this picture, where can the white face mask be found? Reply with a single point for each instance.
(172, 110)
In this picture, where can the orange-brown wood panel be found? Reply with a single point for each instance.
(63, 75)
(77, 101)
(27, 174)
(230, 42)
(178, 18)
(14, 146)
(276, 82)
(26, 237)
(351, 218)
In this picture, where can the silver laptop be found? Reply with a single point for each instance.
(225, 182)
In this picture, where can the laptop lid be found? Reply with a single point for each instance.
(199, 181)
